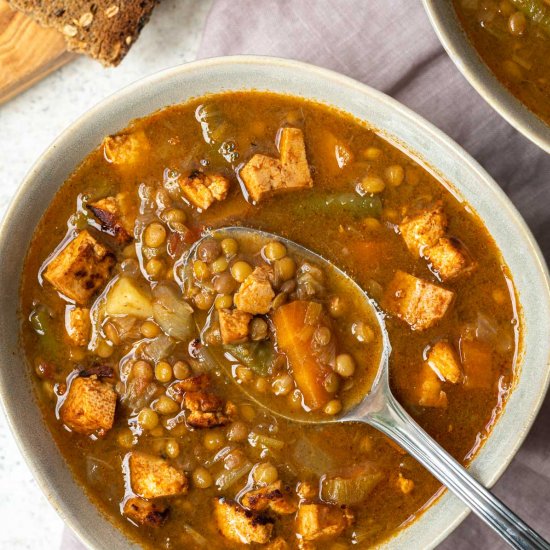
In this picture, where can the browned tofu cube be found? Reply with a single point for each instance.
(89, 406)
(233, 325)
(146, 512)
(429, 389)
(81, 268)
(239, 525)
(271, 496)
(477, 362)
(211, 417)
(127, 151)
(447, 259)
(191, 384)
(202, 401)
(78, 324)
(319, 521)
(153, 477)
(202, 190)
(255, 294)
(261, 175)
(292, 147)
(116, 217)
(443, 359)
(417, 302)
(424, 230)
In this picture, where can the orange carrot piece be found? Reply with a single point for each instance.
(294, 337)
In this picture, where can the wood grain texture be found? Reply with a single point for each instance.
(28, 52)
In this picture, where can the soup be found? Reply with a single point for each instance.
(155, 333)
(513, 38)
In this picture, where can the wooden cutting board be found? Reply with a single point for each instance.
(28, 52)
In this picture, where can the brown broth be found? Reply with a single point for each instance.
(369, 251)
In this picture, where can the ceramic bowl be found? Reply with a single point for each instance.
(466, 179)
(453, 38)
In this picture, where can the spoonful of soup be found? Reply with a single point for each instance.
(303, 340)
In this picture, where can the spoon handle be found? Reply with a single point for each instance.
(395, 422)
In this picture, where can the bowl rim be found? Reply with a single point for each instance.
(84, 533)
(479, 75)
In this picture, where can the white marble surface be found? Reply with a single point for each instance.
(28, 124)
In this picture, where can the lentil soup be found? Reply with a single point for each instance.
(513, 39)
(138, 361)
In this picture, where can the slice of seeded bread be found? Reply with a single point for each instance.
(103, 29)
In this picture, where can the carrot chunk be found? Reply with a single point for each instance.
(294, 338)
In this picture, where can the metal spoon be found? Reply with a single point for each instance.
(380, 409)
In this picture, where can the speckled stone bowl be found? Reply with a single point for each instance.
(408, 131)
(447, 27)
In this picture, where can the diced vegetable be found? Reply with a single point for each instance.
(126, 297)
(537, 11)
(258, 356)
(352, 488)
(337, 154)
(159, 347)
(173, 314)
(260, 440)
(338, 204)
(226, 478)
(294, 339)
(477, 361)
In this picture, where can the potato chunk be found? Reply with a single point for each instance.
(89, 406)
(78, 324)
(318, 521)
(152, 477)
(127, 150)
(415, 301)
(234, 325)
(240, 525)
(146, 512)
(263, 175)
(255, 293)
(424, 230)
(202, 190)
(115, 217)
(126, 297)
(272, 496)
(81, 268)
(443, 359)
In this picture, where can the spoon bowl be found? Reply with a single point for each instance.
(376, 405)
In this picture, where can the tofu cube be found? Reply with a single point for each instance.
(239, 525)
(146, 512)
(477, 362)
(202, 190)
(78, 324)
(292, 148)
(89, 406)
(116, 217)
(153, 477)
(444, 361)
(233, 325)
(81, 268)
(261, 175)
(271, 496)
(127, 150)
(417, 302)
(127, 297)
(255, 294)
(319, 521)
(424, 230)
(447, 259)
(430, 389)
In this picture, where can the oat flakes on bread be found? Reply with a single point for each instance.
(102, 29)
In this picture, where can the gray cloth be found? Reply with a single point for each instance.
(390, 45)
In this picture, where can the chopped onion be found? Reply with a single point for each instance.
(352, 488)
(159, 347)
(173, 314)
